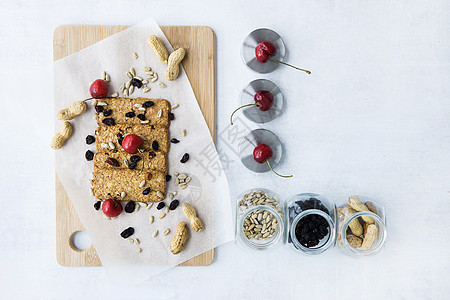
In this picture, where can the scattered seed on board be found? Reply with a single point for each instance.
(128, 84)
(171, 195)
(131, 241)
(146, 90)
(159, 194)
(142, 204)
(151, 219)
(107, 78)
(106, 217)
(112, 146)
(183, 132)
(132, 71)
(122, 87)
(138, 78)
(175, 193)
(162, 85)
(162, 216)
(125, 92)
(155, 233)
(167, 231)
(114, 95)
(104, 75)
(183, 186)
(142, 184)
(147, 69)
(136, 208)
(159, 115)
(123, 194)
(167, 209)
(176, 174)
(175, 106)
(136, 241)
(149, 206)
(92, 192)
(138, 250)
(131, 89)
(129, 75)
(135, 55)
(145, 81)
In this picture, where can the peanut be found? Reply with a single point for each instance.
(370, 236)
(371, 207)
(178, 241)
(75, 109)
(191, 214)
(173, 68)
(354, 241)
(60, 138)
(357, 205)
(158, 47)
(354, 225)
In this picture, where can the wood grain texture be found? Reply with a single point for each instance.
(199, 65)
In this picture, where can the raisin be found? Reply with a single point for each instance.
(127, 232)
(155, 145)
(97, 205)
(185, 158)
(108, 121)
(160, 205)
(99, 108)
(175, 141)
(89, 155)
(107, 113)
(136, 82)
(135, 158)
(132, 165)
(171, 116)
(112, 162)
(174, 204)
(141, 117)
(129, 208)
(151, 155)
(119, 139)
(146, 191)
(90, 139)
(168, 177)
(148, 104)
(130, 114)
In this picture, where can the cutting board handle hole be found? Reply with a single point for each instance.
(80, 241)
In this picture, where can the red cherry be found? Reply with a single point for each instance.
(264, 51)
(131, 143)
(111, 208)
(262, 153)
(99, 89)
(265, 100)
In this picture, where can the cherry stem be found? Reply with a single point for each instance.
(251, 104)
(142, 156)
(284, 176)
(88, 99)
(274, 59)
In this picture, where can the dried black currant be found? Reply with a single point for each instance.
(185, 158)
(146, 191)
(90, 139)
(108, 121)
(89, 155)
(135, 158)
(112, 162)
(132, 165)
(148, 104)
(151, 154)
(175, 141)
(130, 114)
(99, 108)
(127, 232)
(155, 145)
(107, 113)
(171, 116)
(136, 82)
(97, 205)
(141, 117)
(129, 208)
(168, 177)
(174, 204)
(160, 205)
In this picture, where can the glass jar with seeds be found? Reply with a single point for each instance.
(259, 219)
(362, 226)
(311, 226)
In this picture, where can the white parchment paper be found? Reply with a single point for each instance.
(208, 190)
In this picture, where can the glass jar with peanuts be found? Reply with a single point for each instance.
(362, 226)
(312, 223)
(259, 219)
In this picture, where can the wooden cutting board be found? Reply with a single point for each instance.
(199, 65)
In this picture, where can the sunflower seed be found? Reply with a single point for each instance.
(128, 84)
(114, 95)
(145, 81)
(155, 234)
(142, 184)
(142, 108)
(111, 145)
(146, 90)
(183, 132)
(131, 241)
(175, 106)
(131, 89)
(162, 85)
(136, 208)
(135, 55)
(162, 216)
(138, 78)
(145, 122)
(104, 145)
(159, 194)
(125, 92)
(122, 87)
(147, 69)
(129, 75)
(101, 103)
(123, 194)
(138, 105)
(138, 250)
(183, 186)
(151, 219)
(167, 231)
(107, 78)
(149, 206)
(175, 193)
(159, 115)
(132, 71)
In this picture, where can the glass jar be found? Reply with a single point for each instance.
(362, 226)
(259, 219)
(312, 223)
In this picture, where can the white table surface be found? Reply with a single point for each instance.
(373, 118)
